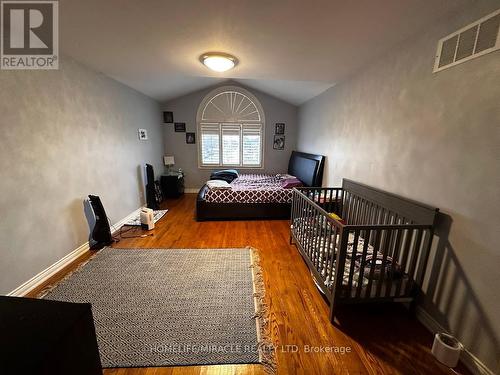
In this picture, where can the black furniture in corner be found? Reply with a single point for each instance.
(47, 338)
(172, 185)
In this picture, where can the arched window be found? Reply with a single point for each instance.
(230, 124)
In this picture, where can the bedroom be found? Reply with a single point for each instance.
(355, 88)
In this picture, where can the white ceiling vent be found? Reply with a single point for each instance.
(477, 39)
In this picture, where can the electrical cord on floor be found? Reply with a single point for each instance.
(114, 238)
(121, 232)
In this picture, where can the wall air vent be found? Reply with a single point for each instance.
(477, 39)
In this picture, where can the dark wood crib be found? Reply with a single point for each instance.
(377, 251)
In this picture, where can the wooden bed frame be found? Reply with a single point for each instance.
(398, 229)
(307, 167)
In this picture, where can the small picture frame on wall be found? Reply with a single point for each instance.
(180, 127)
(279, 142)
(279, 128)
(168, 117)
(190, 138)
(143, 134)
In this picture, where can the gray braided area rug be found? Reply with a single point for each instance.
(159, 307)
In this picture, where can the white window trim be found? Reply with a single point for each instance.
(199, 121)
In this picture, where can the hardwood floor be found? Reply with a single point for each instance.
(382, 340)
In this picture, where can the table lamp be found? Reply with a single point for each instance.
(168, 161)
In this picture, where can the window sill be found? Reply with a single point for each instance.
(228, 167)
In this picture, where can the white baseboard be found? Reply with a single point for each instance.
(191, 190)
(468, 359)
(50, 271)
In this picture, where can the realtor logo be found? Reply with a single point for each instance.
(30, 35)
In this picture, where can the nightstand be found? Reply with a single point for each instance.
(172, 184)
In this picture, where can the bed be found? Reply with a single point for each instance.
(258, 196)
(362, 244)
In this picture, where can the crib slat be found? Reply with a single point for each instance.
(333, 252)
(355, 210)
(413, 263)
(395, 253)
(386, 214)
(406, 249)
(372, 219)
(387, 244)
(338, 210)
(328, 241)
(329, 202)
(380, 216)
(345, 205)
(422, 265)
(317, 239)
(300, 223)
(294, 213)
(359, 208)
(305, 233)
(364, 212)
(371, 213)
(352, 211)
(304, 221)
(362, 263)
(352, 258)
(310, 234)
(340, 261)
(295, 202)
(313, 237)
(321, 227)
(376, 247)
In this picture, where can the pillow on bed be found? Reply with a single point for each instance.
(218, 184)
(290, 182)
(226, 175)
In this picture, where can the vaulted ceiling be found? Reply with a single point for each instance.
(292, 49)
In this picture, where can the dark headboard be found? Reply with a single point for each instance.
(308, 168)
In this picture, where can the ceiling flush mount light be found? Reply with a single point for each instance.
(218, 61)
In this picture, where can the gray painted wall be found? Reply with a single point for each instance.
(66, 134)
(434, 138)
(186, 155)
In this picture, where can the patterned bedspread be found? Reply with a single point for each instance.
(252, 188)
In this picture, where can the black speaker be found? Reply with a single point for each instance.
(102, 232)
(168, 117)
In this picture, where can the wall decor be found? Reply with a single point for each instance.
(143, 134)
(190, 138)
(168, 117)
(279, 142)
(279, 128)
(180, 127)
